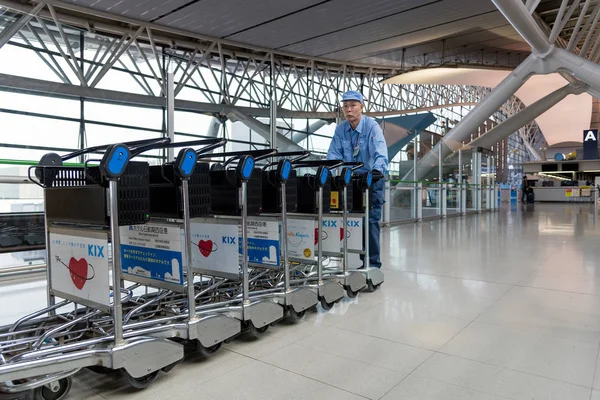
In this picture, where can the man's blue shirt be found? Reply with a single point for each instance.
(373, 152)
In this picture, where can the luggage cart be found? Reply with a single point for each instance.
(84, 207)
(342, 194)
(314, 191)
(232, 237)
(362, 185)
(280, 194)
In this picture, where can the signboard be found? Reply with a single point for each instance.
(331, 234)
(354, 232)
(568, 192)
(152, 251)
(301, 239)
(215, 247)
(263, 242)
(590, 144)
(586, 191)
(79, 266)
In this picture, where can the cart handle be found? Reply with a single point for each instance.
(151, 145)
(354, 164)
(301, 156)
(257, 155)
(331, 164)
(106, 146)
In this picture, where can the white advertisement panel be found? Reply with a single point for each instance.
(152, 251)
(301, 238)
(215, 247)
(331, 233)
(79, 266)
(263, 242)
(354, 232)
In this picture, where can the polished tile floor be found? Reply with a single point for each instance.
(503, 305)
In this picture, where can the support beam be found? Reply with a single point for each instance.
(297, 137)
(46, 88)
(284, 144)
(514, 123)
(520, 18)
(12, 30)
(453, 140)
(170, 114)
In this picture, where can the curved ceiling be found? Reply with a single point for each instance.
(563, 122)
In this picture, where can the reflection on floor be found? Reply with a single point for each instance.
(501, 305)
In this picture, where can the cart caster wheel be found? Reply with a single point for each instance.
(207, 352)
(326, 306)
(143, 382)
(53, 391)
(253, 332)
(351, 293)
(370, 287)
(294, 316)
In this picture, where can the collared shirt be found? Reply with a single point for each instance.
(373, 151)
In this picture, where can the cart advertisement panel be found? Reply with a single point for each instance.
(332, 234)
(152, 251)
(301, 238)
(354, 232)
(215, 247)
(263, 242)
(79, 267)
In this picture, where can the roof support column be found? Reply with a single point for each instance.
(454, 139)
(515, 122)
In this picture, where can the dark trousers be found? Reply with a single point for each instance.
(374, 227)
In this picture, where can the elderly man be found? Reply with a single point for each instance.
(360, 138)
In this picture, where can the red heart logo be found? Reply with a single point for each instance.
(316, 235)
(341, 233)
(205, 247)
(79, 272)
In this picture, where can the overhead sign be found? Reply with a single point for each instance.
(590, 144)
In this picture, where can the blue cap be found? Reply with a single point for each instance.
(353, 95)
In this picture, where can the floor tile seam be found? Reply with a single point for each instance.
(555, 290)
(514, 370)
(381, 338)
(350, 359)
(595, 372)
(312, 379)
(411, 372)
(545, 334)
(466, 279)
(250, 359)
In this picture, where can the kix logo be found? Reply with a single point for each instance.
(95, 251)
(329, 224)
(353, 224)
(227, 239)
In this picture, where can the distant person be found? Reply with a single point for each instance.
(525, 189)
(360, 138)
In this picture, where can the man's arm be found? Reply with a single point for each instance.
(379, 150)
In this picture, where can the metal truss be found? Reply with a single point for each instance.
(207, 69)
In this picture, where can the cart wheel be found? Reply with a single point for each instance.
(295, 316)
(351, 293)
(254, 332)
(370, 287)
(53, 391)
(143, 382)
(207, 352)
(326, 306)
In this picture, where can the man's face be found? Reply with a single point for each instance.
(352, 110)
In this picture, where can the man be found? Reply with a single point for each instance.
(360, 138)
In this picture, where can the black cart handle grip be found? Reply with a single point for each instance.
(331, 164)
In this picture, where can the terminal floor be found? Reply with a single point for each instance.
(502, 305)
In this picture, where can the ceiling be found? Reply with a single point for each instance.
(380, 32)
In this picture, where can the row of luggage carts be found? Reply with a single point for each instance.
(146, 261)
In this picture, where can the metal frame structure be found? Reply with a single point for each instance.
(82, 47)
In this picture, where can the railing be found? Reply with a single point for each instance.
(413, 201)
